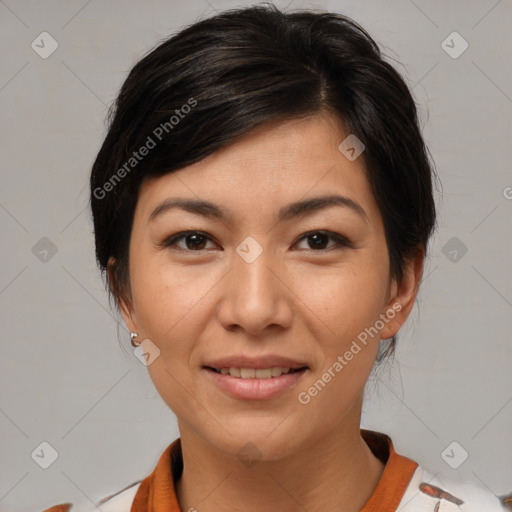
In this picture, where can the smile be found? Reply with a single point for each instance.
(254, 384)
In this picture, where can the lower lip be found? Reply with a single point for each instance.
(255, 389)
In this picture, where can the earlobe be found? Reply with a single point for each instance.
(403, 296)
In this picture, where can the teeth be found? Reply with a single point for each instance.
(247, 373)
(234, 372)
(264, 373)
(251, 373)
(276, 371)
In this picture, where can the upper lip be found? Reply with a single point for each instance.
(267, 361)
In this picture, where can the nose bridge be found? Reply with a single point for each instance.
(254, 280)
(255, 297)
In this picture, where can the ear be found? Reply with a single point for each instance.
(403, 295)
(122, 297)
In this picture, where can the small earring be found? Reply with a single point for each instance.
(132, 336)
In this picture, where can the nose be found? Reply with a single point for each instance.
(255, 296)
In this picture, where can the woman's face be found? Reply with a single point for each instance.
(266, 283)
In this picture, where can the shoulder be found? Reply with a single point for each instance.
(427, 492)
(120, 501)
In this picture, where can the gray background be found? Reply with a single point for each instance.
(64, 377)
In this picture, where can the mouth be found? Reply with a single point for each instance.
(256, 373)
(244, 383)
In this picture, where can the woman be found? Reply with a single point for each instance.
(262, 207)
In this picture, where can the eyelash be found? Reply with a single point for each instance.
(340, 240)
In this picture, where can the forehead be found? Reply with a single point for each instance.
(277, 163)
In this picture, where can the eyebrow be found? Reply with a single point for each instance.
(286, 213)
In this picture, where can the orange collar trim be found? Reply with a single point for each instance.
(157, 492)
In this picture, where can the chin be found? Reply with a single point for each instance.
(253, 444)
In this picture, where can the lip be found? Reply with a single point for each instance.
(255, 362)
(254, 389)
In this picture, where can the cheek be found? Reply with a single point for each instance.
(166, 295)
(170, 307)
(169, 310)
(344, 301)
(343, 308)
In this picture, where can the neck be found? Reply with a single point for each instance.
(336, 472)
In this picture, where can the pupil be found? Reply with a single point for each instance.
(197, 242)
(321, 242)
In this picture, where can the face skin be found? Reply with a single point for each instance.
(306, 298)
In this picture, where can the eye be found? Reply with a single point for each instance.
(318, 240)
(194, 241)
